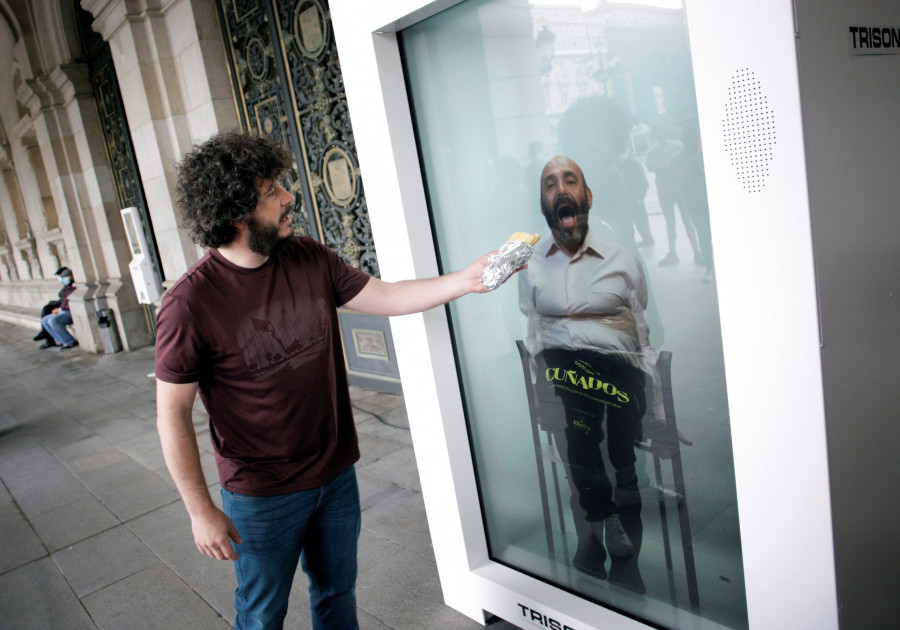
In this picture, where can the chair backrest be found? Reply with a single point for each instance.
(664, 439)
(664, 365)
(525, 358)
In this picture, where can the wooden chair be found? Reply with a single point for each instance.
(667, 435)
(533, 408)
(673, 454)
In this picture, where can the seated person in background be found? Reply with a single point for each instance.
(54, 323)
(47, 309)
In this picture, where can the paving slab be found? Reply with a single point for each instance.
(401, 519)
(89, 454)
(43, 487)
(21, 544)
(144, 449)
(376, 448)
(74, 522)
(374, 549)
(373, 490)
(152, 599)
(61, 431)
(128, 489)
(404, 592)
(122, 427)
(397, 467)
(167, 533)
(104, 559)
(37, 596)
(379, 428)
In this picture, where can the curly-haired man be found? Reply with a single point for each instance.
(253, 327)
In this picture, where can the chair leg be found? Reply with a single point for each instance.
(686, 538)
(542, 483)
(559, 505)
(664, 524)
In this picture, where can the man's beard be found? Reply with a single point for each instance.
(264, 239)
(573, 236)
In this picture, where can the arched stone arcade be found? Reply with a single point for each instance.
(62, 182)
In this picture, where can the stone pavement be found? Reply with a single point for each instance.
(94, 534)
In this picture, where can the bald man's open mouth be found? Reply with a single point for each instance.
(566, 212)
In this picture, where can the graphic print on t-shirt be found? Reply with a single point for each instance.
(276, 336)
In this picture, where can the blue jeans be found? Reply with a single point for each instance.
(318, 527)
(56, 326)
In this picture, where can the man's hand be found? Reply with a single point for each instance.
(213, 533)
(477, 267)
(471, 275)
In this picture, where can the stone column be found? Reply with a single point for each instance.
(13, 209)
(171, 67)
(65, 124)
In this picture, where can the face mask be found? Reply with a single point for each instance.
(65, 280)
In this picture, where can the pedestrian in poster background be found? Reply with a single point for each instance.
(659, 155)
(253, 327)
(595, 132)
(634, 178)
(689, 176)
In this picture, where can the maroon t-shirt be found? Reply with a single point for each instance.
(265, 348)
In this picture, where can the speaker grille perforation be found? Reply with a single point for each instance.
(749, 129)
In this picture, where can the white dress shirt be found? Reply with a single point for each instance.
(594, 300)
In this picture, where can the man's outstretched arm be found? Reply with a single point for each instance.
(213, 530)
(414, 296)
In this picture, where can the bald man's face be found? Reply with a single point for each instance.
(565, 202)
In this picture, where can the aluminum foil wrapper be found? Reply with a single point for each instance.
(513, 255)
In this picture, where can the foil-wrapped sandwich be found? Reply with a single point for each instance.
(513, 255)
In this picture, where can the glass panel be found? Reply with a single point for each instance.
(578, 122)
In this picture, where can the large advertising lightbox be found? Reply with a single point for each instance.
(589, 434)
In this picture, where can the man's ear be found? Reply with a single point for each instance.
(241, 223)
(589, 196)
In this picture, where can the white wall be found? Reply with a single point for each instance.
(851, 123)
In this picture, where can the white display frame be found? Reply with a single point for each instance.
(771, 355)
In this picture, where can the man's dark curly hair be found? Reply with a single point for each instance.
(217, 183)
